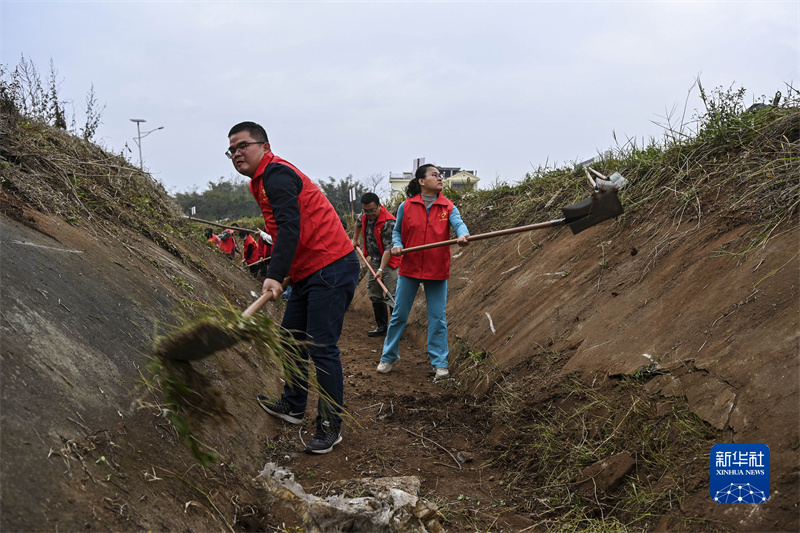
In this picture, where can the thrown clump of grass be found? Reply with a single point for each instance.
(191, 398)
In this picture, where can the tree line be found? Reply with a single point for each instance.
(230, 197)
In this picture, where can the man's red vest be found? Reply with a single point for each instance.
(253, 256)
(227, 246)
(383, 216)
(264, 248)
(323, 238)
(420, 227)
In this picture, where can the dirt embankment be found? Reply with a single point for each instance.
(629, 349)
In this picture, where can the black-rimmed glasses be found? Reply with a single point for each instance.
(370, 211)
(240, 148)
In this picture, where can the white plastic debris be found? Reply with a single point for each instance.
(615, 181)
(392, 504)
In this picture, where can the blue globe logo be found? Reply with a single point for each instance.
(740, 493)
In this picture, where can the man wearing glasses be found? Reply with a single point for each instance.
(312, 252)
(375, 227)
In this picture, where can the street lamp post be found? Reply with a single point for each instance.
(140, 136)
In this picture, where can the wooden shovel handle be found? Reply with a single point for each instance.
(258, 304)
(480, 236)
(248, 265)
(235, 228)
(374, 275)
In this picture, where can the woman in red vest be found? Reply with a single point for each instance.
(425, 217)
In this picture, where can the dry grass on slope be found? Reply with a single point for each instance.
(59, 173)
(752, 160)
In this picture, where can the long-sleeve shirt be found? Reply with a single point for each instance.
(455, 222)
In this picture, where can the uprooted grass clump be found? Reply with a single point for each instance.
(191, 398)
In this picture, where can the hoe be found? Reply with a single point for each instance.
(207, 338)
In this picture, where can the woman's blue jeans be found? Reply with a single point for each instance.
(436, 297)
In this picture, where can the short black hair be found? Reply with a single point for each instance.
(255, 130)
(370, 197)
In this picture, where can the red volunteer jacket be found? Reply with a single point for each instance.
(420, 227)
(227, 246)
(322, 239)
(383, 216)
(264, 248)
(250, 250)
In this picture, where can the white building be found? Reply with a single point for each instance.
(453, 177)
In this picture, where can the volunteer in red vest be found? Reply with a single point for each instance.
(227, 243)
(210, 237)
(264, 244)
(375, 227)
(425, 217)
(313, 252)
(249, 251)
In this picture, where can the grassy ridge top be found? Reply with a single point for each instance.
(60, 173)
(751, 155)
(754, 156)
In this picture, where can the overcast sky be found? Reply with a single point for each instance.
(363, 88)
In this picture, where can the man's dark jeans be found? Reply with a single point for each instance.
(315, 313)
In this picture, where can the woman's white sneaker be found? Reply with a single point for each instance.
(385, 368)
(442, 373)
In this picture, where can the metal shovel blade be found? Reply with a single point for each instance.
(600, 206)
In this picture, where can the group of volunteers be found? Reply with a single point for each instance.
(314, 255)
(256, 253)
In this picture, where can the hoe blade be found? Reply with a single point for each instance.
(600, 206)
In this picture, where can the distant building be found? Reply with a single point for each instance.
(398, 181)
(454, 177)
(463, 180)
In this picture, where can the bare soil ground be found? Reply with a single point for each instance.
(70, 466)
(67, 467)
